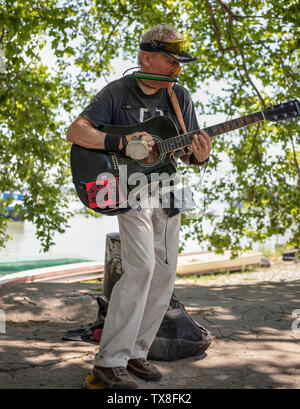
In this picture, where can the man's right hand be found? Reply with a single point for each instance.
(145, 137)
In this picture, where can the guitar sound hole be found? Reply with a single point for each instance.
(153, 155)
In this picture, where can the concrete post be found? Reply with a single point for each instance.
(113, 262)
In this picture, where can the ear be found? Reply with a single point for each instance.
(146, 59)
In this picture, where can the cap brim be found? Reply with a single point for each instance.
(183, 57)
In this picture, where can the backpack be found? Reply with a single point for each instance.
(178, 336)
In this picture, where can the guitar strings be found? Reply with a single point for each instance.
(212, 131)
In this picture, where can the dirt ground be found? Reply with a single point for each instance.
(254, 318)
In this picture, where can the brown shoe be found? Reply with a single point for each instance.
(114, 378)
(144, 369)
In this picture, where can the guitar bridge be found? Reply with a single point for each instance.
(115, 163)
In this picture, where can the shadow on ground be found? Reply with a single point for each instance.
(253, 347)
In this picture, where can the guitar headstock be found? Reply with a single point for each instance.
(283, 111)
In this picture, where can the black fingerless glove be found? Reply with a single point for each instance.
(112, 143)
(193, 160)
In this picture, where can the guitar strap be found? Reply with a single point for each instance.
(177, 110)
(182, 199)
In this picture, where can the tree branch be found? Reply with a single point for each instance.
(110, 35)
(247, 73)
(233, 16)
(227, 9)
(2, 35)
(254, 145)
(215, 25)
(295, 159)
(216, 29)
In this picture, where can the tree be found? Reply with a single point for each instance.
(250, 46)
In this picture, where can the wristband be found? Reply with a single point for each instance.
(193, 160)
(112, 143)
(124, 144)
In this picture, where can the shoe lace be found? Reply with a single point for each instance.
(145, 362)
(119, 370)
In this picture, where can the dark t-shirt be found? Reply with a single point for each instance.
(122, 102)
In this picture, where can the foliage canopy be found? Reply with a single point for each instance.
(252, 48)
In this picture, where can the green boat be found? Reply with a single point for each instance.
(9, 266)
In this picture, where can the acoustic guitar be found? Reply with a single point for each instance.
(106, 182)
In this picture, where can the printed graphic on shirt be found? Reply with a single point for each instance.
(144, 110)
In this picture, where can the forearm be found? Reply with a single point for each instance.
(82, 133)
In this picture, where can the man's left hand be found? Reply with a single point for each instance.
(201, 145)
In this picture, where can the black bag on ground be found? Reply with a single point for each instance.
(179, 336)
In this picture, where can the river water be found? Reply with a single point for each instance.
(85, 238)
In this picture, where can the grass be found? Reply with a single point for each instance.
(204, 278)
(268, 251)
(97, 281)
(198, 278)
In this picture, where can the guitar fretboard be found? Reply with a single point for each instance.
(184, 140)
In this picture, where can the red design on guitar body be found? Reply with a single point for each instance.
(104, 193)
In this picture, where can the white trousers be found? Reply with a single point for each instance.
(140, 299)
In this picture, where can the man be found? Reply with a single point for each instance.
(140, 298)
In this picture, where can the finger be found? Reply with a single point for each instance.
(196, 148)
(147, 137)
(208, 138)
(141, 135)
(206, 142)
(144, 134)
(200, 149)
(201, 142)
(204, 133)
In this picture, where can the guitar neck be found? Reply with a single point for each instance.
(184, 140)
